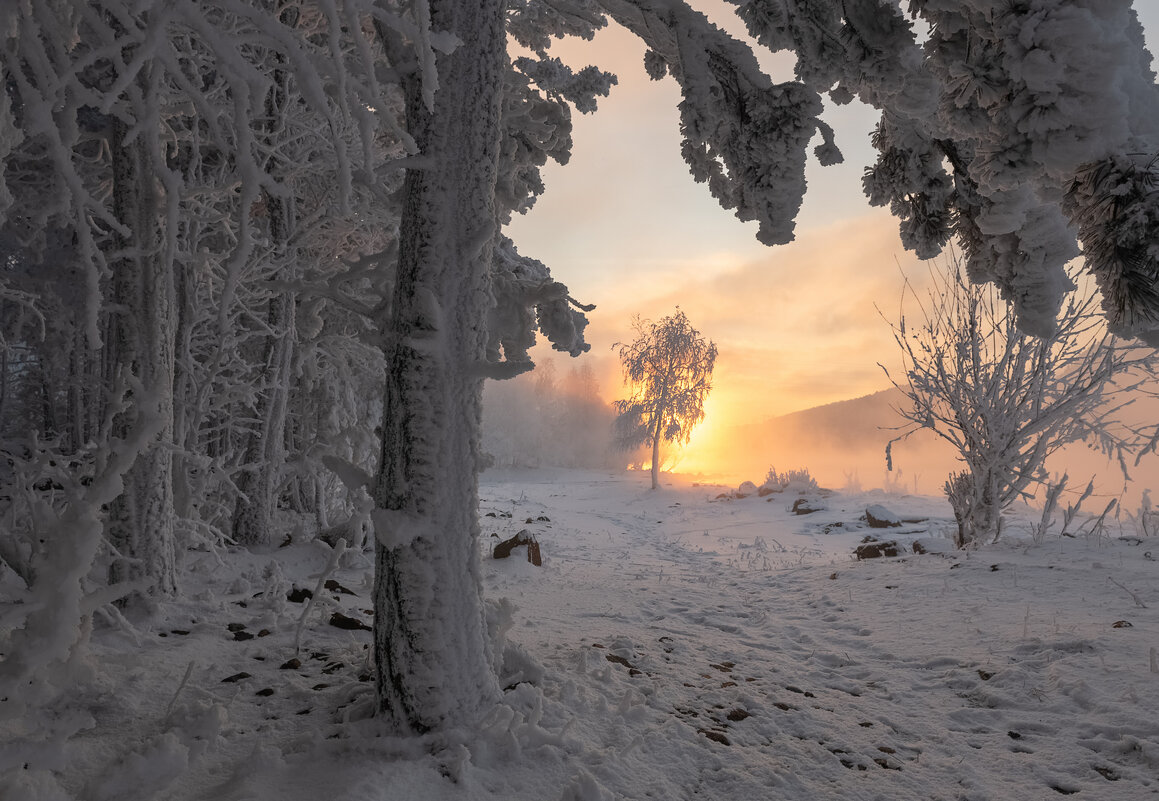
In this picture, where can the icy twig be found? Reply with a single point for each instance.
(180, 687)
(331, 566)
(1134, 597)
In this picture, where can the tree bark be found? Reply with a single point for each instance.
(432, 660)
(264, 459)
(656, 457)
(140, 341)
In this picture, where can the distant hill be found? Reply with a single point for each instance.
(838, 443)
(864, 421)
(844, 442)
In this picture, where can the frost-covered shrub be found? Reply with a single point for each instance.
(1006, 400)
(799, 480)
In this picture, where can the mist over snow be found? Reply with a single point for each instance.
(553, 416)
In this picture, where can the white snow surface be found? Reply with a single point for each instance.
(681, 647)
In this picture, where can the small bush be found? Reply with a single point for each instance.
(800, 479)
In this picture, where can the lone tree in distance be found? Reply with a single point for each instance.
(670, 367)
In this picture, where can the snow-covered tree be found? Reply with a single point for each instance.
(668, 368)
(1011, 127)
(205, 182)
(1006, 401)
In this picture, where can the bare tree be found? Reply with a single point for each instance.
(1006, 400)
(669, 366)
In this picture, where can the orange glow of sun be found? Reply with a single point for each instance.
(705, 451)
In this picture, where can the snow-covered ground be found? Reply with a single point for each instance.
(673, 646)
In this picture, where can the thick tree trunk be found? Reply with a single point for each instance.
(141, 344)
(433, 666)
(974, 499)
(265, 451)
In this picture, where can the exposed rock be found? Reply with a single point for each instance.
(524, 537)
(934, 545)
(746, 489)
(299, 595)
(341, 621)
(291, 664)
(767, 489)
(619, 660)
(806, 506)
(715, 736)
(877, 516)
(874, 549)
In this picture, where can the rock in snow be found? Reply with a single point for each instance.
(879, 517)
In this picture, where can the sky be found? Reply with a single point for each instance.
(626, 228)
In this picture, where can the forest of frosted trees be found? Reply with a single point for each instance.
(254, 268)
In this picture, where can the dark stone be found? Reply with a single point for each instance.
(341, 621)
(737, 715)
(334, 586)
(291, 664)
(715, 736)
(619, 660)
(242, 636)
(235, 626)
(804, 506)
(236, 677)
(265, 691)
(880, 517)
(876, 550)
(299, 595)
(524, 537)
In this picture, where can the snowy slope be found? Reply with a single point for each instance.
(672, 646)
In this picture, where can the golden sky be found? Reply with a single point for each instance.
(626, 228)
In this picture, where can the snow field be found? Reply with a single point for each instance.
(672, 646)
